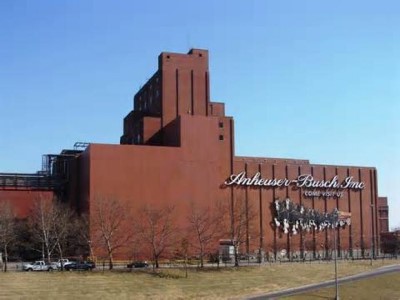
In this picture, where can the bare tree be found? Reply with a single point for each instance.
(7, 229)
(41, 226)
(204, 224)
(157, 229)
(109, 222)
(62, 218)
(183, 252)
(50, 223)
(243, 215)
(81, 229)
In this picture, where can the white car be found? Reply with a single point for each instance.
(39, 266)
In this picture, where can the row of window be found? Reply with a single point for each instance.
(149, 99)
(221, 125)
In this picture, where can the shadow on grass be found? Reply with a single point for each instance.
(178, 273)
(166, 275)
(315, 296)
(309, 296)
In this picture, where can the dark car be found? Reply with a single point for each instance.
(83, 265)
(138, 264)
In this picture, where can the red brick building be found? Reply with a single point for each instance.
(383, 214)
(178, 148)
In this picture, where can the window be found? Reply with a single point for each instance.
(221, 124)
(140, 103)
(221, 137)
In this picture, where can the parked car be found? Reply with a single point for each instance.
(64, 262)
(39, 266)
(82, 265)
(138, 264)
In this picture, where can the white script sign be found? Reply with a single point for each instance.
(302, 181)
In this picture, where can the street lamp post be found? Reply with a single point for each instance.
(336, 269)
(372, 254)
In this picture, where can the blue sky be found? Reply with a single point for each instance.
(315, 80)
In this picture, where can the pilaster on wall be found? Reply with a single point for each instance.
(185, 87)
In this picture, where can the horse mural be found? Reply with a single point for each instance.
(291, 217)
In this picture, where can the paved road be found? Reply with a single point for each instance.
(306, 288)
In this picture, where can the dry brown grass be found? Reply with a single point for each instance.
(171, 284)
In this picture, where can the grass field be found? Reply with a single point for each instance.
(220, 283)
(383, 287)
